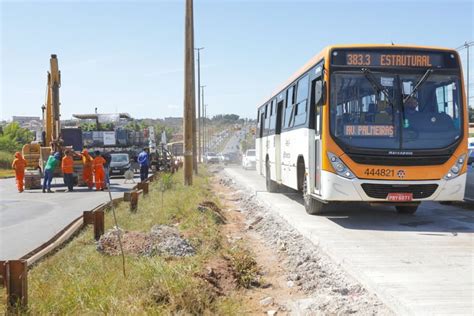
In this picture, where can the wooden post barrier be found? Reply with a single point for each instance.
(143, 186)
(14, 274)
(95, 218)
(133, 201)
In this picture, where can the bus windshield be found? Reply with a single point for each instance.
(388, 110)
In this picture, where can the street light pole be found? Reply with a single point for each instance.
(202, 105)
(189, 96)
(199, 104)
(208, 140)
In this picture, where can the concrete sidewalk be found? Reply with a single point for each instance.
(418, 265)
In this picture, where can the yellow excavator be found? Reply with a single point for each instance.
(51, 114)
(36, 154)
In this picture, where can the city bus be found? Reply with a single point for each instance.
(370, 123)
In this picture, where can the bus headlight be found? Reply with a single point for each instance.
(340, 167)
(456, 168)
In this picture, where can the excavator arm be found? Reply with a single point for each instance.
(52, 121)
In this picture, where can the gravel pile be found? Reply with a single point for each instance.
(168, 242)
(162, 240)
(330, 289)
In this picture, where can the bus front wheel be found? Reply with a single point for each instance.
(311, 205)
(406, 209)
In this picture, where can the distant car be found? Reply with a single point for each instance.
(470, 147)
(119, 164)
(222, 157)
(211, 157)
(249, 159)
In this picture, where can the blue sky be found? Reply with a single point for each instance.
(127, 56)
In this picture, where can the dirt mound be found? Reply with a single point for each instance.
(162, 240)
(220, 276)
(132, 242)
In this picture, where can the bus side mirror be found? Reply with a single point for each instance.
(319, 93)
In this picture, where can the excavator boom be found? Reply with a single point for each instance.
(52, 121)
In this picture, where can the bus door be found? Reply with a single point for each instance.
(278, 138)
(318, 101)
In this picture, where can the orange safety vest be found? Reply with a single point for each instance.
(19, 163)
(67, 165)
(98, 164)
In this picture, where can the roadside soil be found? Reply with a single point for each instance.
(297, 277)
(274, 291)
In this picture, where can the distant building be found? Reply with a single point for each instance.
(174, 120)
(25, 119)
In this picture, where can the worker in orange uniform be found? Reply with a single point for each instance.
(99, 173)
(19, 164)
(87, 169)
(67, 166)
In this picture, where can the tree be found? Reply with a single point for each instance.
(14, 137)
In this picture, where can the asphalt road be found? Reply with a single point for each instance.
(420, 264)
(29, 219)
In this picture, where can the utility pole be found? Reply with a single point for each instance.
(466, 44)
(199, 104)
(189, 96)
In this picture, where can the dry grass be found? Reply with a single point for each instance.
(244, 265)
(80, 280)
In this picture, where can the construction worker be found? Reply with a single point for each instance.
(51, 164)
(87, 169)
(19, 164)
(98, 169)
(108, 159)
(144, 161)
(67, 166)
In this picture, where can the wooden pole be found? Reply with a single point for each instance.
(189, 104)
(199, 122)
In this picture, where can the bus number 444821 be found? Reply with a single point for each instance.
(379, 172)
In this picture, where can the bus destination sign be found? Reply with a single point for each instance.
(388, 58)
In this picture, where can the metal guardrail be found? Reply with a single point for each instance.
(14, 273)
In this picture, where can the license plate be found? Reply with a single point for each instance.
(115, 171)
(400, 197)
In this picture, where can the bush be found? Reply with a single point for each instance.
(6, 160)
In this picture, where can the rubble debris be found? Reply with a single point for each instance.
(162, 240)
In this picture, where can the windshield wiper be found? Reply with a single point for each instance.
(378, 87)
(422, 80)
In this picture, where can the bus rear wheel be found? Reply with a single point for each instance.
(271, 185)
(311, 205)
(406, 209)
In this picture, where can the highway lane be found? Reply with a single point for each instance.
(421, 264)
(31, 218)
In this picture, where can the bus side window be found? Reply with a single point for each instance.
(272, 116)
(289, 106)
(301, 101)
(267, 119)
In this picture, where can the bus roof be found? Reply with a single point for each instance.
(323, 53)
